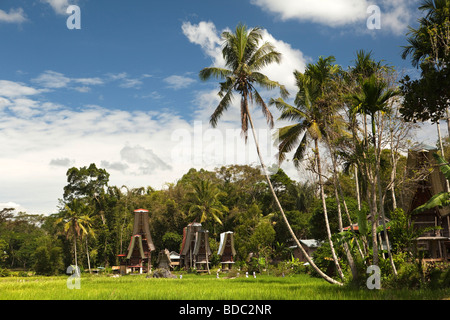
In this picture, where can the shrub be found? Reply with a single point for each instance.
(4, 272)
(409, 276)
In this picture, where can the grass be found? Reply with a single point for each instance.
(196, 287)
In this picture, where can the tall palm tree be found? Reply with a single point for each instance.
(373, 98)
(76, 221)
(205, 202)
(310, 113)
(244, 58)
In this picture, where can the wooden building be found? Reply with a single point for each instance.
(195, 250)
(226, 250)
(139, 251)
(427, 180)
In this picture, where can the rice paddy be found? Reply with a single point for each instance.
(198, 287)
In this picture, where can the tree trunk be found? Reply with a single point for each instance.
(320, 272)
(75, 252)
(340, 195)
(358, 196)
(377, 150)
(87, 253)
(325, 213)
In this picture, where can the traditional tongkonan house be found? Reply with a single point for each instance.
(427, 180)
(187, 247)
(139, 252)
(226, 250)
(202, 251)
(195, 250)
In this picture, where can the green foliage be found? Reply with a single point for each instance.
(317, 221)
(172, 241)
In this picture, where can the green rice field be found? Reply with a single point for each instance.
(198, 287)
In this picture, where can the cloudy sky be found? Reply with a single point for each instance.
(123, 91)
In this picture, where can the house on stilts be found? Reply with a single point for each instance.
(139, 251)
(426, 180)
(195, 251)
(226, 250)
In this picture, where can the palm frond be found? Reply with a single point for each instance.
(221, 108)
(215, 73)
(265, 110)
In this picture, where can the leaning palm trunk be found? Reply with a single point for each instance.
(308, 258)
(325, 212)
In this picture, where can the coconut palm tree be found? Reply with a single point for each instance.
(205, 202)
(310, 113)
(76, 221)
(244, 57)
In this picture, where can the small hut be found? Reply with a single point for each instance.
(226, 250)
(139, 251)
(425, 181)
(164, 261)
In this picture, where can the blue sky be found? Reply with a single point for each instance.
(123, 91)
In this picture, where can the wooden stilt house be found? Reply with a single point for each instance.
(195, 250)
(202, 251)
(188, 245)
(139, 251)
(226, 250)
(426, 181)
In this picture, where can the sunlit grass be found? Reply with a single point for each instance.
(195, 287)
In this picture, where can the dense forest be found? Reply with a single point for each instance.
(351, 131)
(236, 198)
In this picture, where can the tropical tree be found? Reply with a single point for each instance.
(205, 202)
(244, 59)
(76, 221)
(427, 98)
(374, 98)
(310, 113)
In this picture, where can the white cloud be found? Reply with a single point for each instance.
(56, 80)
(126, 82)
(396, 15)
(10, 89)
(205, 34)
(328, 12)
(51, 79)
(60, 6)
(14, 16)
(178, 82)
